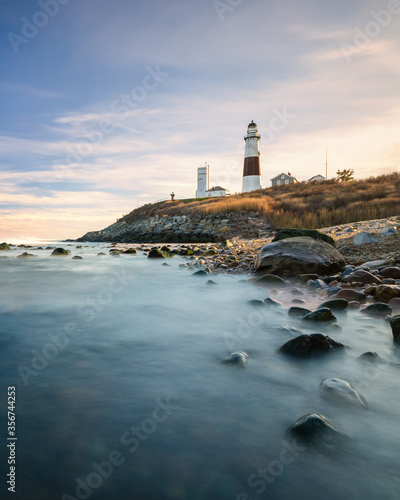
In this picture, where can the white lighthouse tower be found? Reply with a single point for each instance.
(251, 170)
(202, 181)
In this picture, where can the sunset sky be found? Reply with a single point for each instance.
(107, 105)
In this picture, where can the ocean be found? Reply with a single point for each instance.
(120, 393)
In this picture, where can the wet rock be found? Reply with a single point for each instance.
(395, 304)
(156, 253)
(308, 345)
(391, 272)
(26, 255)
(370, 357)
(316, 284)
(316, 430)
(298, 312)
(271, 302)
(339, 389)
(384, 293)
(294, 256)
(101, 254)
(350, 295)
(296, 291)
(202, 272)
(363, 277)
(4, 247)
(378, 310)
(333, 290)
(365, 237)
(270, 280)
(60, 252)
(395, 326)
(130, 251)
(238, 358)
(256, 303)
(299, 301)
(77, 257)
(335, 304)
(211, 282)
(283, 234)
(353, 304)
(323, 314)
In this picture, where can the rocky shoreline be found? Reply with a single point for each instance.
(193, 228)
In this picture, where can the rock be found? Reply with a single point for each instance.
(211, 282)
(316, 284)
(202, 272)
(353, 304)
(365, 237)
(60, 252)
(388, 231)
(294, 256)
(342, 390)
(395, 304)
(391, 272)
(370, 357)
(156, 253)
(283, 234)
(130, 251)
(363, 277)
(384, 293)
(256, 303)
(333, 290)
(296, 291)
(377, 264)
(4, 246)
(164, 249)
(350, 295)
(304, 278)
(165, 264)
(77, 257)
(25, 255)
(100, 254)
(269, 280)
(395, 326)
(316, 430)
(271, 302)
(378, 310)
(322, 314)
(238, 358)
(335, 304)
(298, 312)
(315, 344)
(299, 301)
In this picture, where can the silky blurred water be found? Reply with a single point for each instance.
(121, 393)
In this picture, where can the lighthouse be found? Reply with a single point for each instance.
(251, 170)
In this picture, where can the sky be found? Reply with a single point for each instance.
(108, 105)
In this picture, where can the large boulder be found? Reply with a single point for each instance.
(395, 325)
(293, 256)
(4, 246)
(306, 346)
(283, 234)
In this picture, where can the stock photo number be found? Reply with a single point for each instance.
(11, 439)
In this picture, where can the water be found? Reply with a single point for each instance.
(121, 393)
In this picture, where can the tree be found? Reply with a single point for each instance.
(345, 175)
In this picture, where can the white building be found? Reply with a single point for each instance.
(251, 169)
(317, 178)
(217, 191)
(202, 181)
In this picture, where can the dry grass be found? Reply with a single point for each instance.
(305, 205)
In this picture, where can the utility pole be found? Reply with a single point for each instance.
(326, 164)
